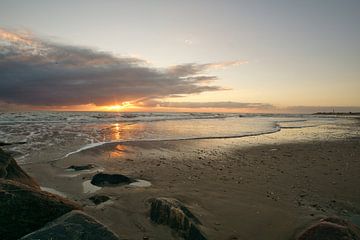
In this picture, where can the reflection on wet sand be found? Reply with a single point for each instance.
(117, 151)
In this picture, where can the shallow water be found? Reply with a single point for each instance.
(64, 133)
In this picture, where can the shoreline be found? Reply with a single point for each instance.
(234, 187)
(281, 133)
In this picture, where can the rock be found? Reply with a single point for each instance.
(13, 143)
(171, 212)
(74, 225)
(81, 167)
(104, 179)
(97, 199)
(4, 144)
(24, 209)
(10, 170)
(331, 229)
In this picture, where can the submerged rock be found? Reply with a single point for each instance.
(81, 167)
(74, 225)
(11, 143)
(331, 229)
(9, 169)
(104, 179)
(24, 209)
(171, 212)
(97, 199)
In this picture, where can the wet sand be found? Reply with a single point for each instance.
(238, 189)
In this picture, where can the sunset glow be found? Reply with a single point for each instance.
(118, 107)
(291, 64)
(205, 119)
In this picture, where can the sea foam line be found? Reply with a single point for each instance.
(277, 128)
(92, 145)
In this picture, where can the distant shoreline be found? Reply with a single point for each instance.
(338, 113)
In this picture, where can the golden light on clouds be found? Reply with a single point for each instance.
(118, 107)
(13, 37)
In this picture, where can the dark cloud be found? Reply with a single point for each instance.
(38, 72)
(234, 105)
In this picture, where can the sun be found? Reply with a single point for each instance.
(118, 107)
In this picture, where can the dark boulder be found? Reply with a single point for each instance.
(81, 167)
(24, 209)
(104, 179)
(74, 225)
(9, 169)
(97, 199)
(12, 143)
(171, 212)
(4, 144)
(331, 229)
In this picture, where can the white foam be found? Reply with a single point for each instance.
(89, 188)
(91, 145)
(140, 183)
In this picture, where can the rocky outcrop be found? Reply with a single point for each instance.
(81, 167)
(10, 170)
(24, 209)
(75, 225)
(171, 212)
(105, 179)
(331, 229)
(97, 199)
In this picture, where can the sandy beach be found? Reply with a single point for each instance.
(260, 187)
(179, 120)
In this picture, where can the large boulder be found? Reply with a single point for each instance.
(105, 179)
(331, 229)
(24, 209)
(74, 225)
(10, 170)
(171, 212)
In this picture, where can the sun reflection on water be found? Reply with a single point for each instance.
(116, 132)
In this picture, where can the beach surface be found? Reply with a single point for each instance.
(259, 187)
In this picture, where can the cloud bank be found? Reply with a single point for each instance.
(39, 72)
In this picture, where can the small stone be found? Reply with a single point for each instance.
(104, 179)
(81, 167)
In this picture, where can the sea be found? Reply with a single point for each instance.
(66, 133)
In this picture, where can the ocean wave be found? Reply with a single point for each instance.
(67, 133)
(103, 117)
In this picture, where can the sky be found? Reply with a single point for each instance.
(246, 56)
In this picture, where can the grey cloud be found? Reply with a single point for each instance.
(193, 68)
(39, 72)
